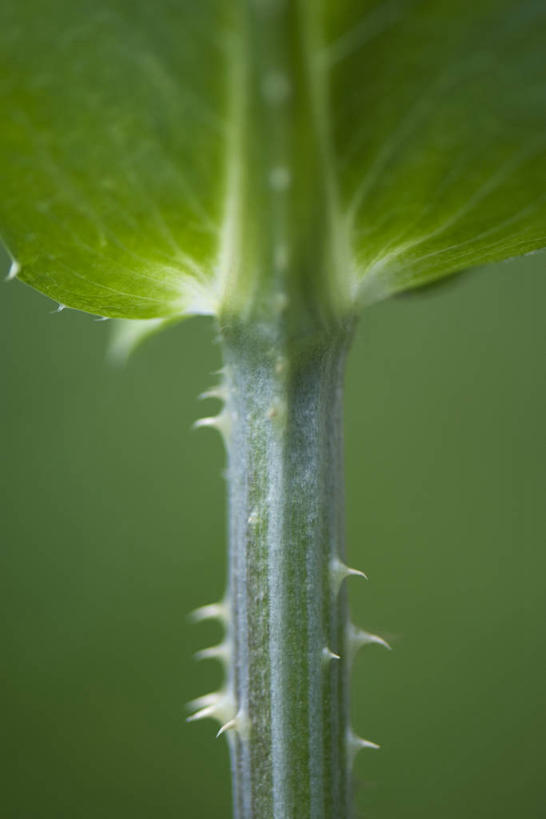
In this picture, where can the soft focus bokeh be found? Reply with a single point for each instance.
(112, 530)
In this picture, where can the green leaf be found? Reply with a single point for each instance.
(138, 163)
(439, 134)
(112, 150)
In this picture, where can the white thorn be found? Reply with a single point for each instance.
(328, 655)
(218, 392)
(339, 571)
(358, 637)
(206, 422)
(216, 706)
(375, 638)
(59, 309)
(239, 723)
(102, 318)
(208, 711)
(214, 611)
(232, 723)
(356, 744)
(219, 422)
(360, 743)
(204, 702)
(14, 270)
(218, 652)
(356, 573)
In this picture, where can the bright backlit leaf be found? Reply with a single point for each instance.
(439, 127)
(113, 150)
(118, 142)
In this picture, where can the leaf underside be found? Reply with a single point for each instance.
(115, 143)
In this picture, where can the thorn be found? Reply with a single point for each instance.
(328, 655)
(204, 701)
(206, 422)
(360, 743)
(14, 270)
(221, 422)
(356, 573)
(227, 726)
(59, 309)
(218, 706)
(214, 611)
(102, 318)
(358, 637)
(239, 723)
(356, 744)
(376, 638)
(218, 652)
(218, 392)
(203, 713)
(339, 571)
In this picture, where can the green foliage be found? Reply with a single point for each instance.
(118, 141)
(439, 133)
(112, 150)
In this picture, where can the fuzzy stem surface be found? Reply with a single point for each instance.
(287, 687)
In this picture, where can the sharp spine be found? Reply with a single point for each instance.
(204, 713)
(213, 611)
(204, 701)
(218, 652)
(339, 571)
(14, 270)
(358, 637)
(328, 655)
(220, 706)
(218, 392)
(221, 422)
(227, 726)
(217, 706)
(356, 744)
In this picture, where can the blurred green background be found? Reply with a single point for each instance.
(112, 529)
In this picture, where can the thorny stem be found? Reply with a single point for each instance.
(288, 647)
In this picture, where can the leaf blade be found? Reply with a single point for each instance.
(118, 140)
(441, 159)
(114, 137)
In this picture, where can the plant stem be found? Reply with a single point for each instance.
(285, 707)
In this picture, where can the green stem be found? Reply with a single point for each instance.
(289, 643)
(288, 646)
(288, 692)
(284, 238)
